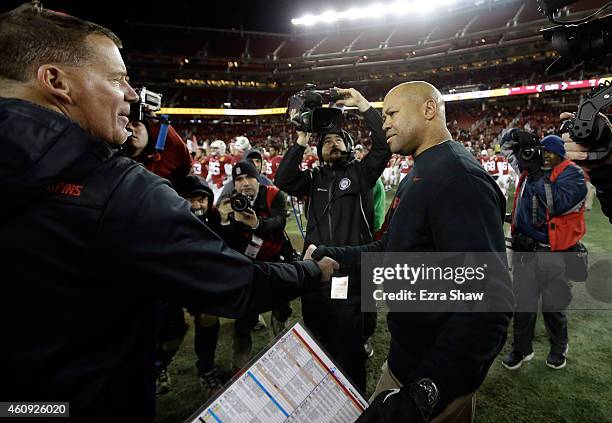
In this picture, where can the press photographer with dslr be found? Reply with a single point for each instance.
(253, 223)
(340, 212)
(548, 215)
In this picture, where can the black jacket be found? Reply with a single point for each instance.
(271, 228)
(88, 242)
(448, 203)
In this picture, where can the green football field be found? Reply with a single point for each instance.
(581, 392)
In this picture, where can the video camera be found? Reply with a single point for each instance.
(576, 41)
(525, 146)
(148, 103)
(587, 127)
(305, 110)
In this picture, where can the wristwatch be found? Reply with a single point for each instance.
(430, 390)
(425, 395)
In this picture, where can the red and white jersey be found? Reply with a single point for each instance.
(503, 167)
(405, 166)
(489, 164)
(199, 167)
(308, 162)
(217, 169)
(272, 166)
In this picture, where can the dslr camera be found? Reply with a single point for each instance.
(148, 103)
(240, 202)
(305, 110)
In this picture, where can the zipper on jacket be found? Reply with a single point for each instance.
(329, 213)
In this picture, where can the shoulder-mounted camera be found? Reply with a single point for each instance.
(588, 127)
(148, 103)
(305, 110)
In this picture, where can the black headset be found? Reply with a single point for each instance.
(348, 143)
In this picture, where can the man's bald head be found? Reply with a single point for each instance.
(414, 115)
(419, 91)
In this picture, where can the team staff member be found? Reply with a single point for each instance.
(340, 212)
(447, 204)
(105, 237)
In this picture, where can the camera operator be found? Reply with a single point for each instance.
(253, 223)
(173, 163)
(106, 238)
(340, 212)
(548, 215)
(600, 174)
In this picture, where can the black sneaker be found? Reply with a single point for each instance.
(210, 382)
(369, 350)
(515, 359)
(557, 361)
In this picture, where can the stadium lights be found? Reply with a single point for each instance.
(373, 11)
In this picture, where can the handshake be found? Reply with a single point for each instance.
(327, 265)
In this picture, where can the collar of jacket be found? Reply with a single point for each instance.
(41, 147)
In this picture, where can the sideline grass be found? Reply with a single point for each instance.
(581, 393)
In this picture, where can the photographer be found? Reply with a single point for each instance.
(548, 215)
(340, 212)
(256, 158)
(253, 223)
(106, 238)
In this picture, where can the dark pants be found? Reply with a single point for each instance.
(540, 275)
(338, 326)
(172, 329)
(205, 341)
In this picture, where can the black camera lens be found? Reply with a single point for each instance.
(527, 153)
(239, 202)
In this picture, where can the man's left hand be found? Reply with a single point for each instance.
(352, 98)
(247, 217)
(578, 152)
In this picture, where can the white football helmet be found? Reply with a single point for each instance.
(242, 144)
(219, 146)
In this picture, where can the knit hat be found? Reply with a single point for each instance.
(244, 168)
(554, 144)
(192, 185)
(253, 154)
